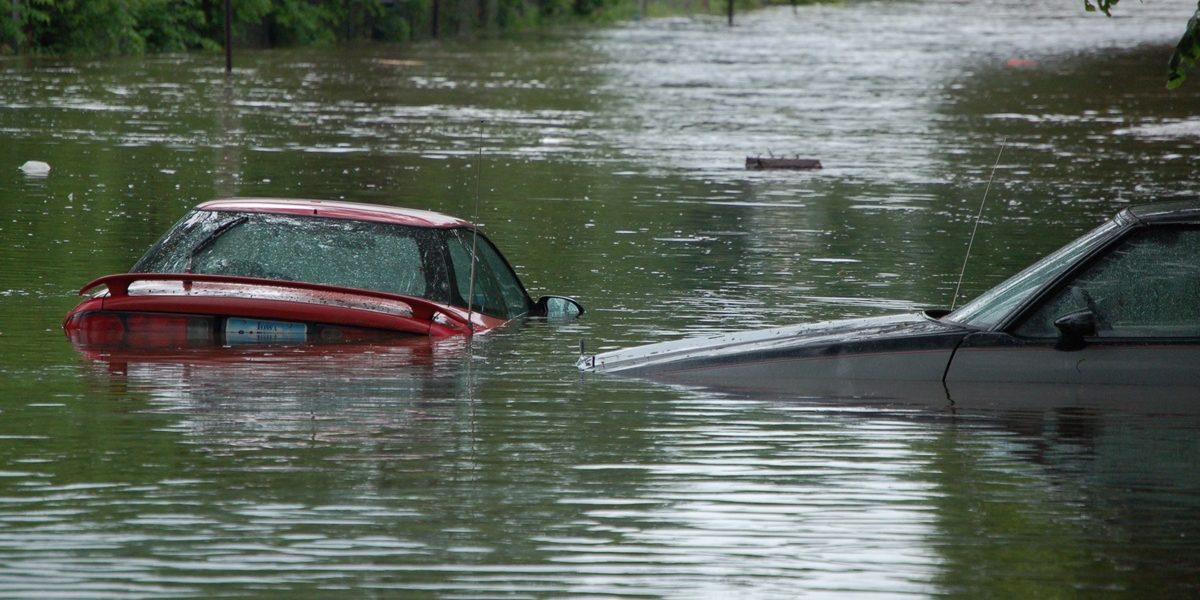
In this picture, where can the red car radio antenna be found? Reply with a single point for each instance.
(474, 233)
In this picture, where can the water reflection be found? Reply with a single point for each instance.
(400, 468)
(262, 395)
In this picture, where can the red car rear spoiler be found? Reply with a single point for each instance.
(118, 287)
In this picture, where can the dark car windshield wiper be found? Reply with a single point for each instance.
(210, 238)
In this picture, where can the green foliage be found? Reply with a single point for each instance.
(1186, 52)
(175, 25)
(1104, 6)
(395, 25)
(10, 32)
(297, 22)
(585, 8)
(102, 27)
(106, 27)
(515, 15)
(555, 8)
(88, 26)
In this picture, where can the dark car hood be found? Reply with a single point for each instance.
(848, 331)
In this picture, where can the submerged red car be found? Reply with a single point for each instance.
(282, 270)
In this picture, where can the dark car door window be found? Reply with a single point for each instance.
(1147, 287)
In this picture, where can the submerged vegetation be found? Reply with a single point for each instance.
(137, 26)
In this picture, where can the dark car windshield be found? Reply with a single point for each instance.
(413, 261)
(990, 309)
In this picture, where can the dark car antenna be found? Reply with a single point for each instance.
(978, 217)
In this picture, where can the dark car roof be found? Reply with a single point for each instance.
(1173, 211)
(333, 209)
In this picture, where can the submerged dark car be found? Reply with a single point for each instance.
(1119, 305)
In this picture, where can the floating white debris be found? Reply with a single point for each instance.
(36, 168)
(834, 260)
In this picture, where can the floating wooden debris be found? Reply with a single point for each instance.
(758, 162)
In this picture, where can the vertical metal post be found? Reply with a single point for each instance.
(731, 13)
(228, 36)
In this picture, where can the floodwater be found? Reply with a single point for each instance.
(609, 165)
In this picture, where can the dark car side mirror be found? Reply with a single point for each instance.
(557, 308)
(1073, 328)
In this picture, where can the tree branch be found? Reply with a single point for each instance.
(1186, 52)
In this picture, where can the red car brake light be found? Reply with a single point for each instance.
(140, 330)
(103, 329)
(157, 331)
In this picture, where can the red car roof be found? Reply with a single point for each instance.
(333, 209)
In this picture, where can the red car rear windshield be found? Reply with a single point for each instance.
(400, 259)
